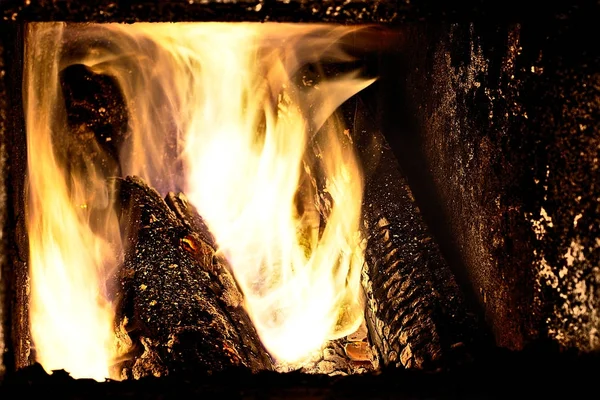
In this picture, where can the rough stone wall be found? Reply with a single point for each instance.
(509, 125)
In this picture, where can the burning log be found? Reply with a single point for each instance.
(179, 307)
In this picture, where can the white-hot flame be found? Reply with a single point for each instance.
(215, 110)
(299, 275)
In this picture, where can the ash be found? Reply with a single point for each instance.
(349, 355)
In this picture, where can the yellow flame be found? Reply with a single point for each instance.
(246, 141)
(70, 317)
(297, 282)
(215, 110)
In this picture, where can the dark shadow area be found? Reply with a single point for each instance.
(538, 372)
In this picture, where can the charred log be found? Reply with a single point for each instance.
(94, 105)
(416, 314)
(180, 308)
(97, 120)
(189, 217)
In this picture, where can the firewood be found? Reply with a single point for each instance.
(416, 313)
(178, 303)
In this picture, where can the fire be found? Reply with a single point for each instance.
(216, 111)
(70, 316)
(299, 275)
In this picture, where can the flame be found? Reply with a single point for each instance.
(70, 316)
(299, 275)
(216, 111)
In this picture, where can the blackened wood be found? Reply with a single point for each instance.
(96, 116)
(416, 313)
(179, 304)
(187, 213)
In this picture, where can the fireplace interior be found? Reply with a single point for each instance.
(426, 173)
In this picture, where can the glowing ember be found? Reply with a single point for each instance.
(259, 155)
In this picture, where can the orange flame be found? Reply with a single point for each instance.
(70, 317)
(262, 157)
